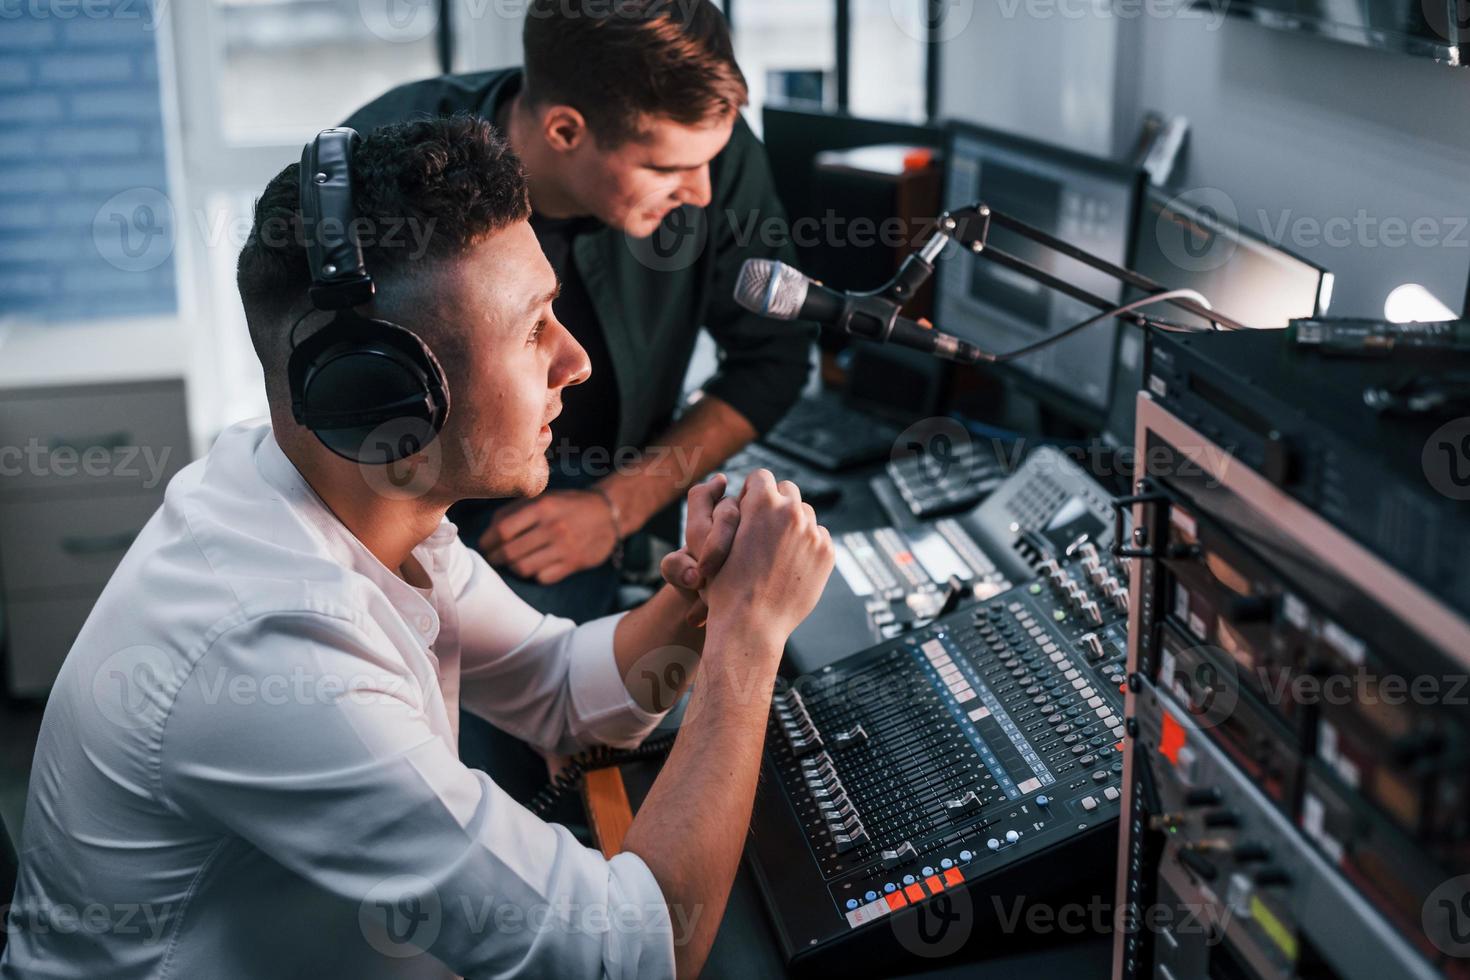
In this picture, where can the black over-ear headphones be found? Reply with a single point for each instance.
(370, 390)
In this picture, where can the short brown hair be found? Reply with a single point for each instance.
(617, 60)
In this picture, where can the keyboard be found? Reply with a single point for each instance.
(816, 489)
(828, 434)
(933, 487)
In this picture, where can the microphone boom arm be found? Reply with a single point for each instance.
(969, 227)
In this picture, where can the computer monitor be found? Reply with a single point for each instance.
(1085, 201)
(1185, 242)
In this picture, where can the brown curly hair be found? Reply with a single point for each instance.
(425, 192)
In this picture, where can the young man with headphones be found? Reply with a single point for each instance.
(248, 764)
(649, 192)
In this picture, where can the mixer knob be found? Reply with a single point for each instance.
(1119, 595)
(1012, 836)
(853, 736)
(1089, 551)
(1092, 612)
(993, 844)
(1094, 644)
(847, 842)
(1075, 593)
(1050, 568)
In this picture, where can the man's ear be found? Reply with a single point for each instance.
(564, 128)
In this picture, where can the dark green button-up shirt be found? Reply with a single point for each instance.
(652, 295)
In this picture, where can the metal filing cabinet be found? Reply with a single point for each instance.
(92, 427)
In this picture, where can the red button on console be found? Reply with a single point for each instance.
(935, 885)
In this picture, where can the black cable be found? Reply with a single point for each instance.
(986, 357)
(598, 757)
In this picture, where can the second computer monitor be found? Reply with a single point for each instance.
(1191, 241)
(1088, 203)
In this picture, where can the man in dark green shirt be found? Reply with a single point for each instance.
(649, 192)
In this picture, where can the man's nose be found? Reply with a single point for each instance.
(696, 188)
(572, 365)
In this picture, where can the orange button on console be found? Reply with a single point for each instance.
(915, 893)
(896, 900)
(935, 885)
(953, 876)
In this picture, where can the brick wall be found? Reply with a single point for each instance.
(86, 229)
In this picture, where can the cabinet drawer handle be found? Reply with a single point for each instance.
(98, 544)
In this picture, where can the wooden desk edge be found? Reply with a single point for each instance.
(608, 811)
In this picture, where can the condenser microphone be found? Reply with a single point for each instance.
(776, 290)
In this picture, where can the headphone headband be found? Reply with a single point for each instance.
(339, 276)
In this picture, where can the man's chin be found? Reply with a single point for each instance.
(531, 483)
(639, 227)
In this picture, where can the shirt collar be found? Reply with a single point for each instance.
(345, 549)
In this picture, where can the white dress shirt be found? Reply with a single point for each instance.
(248, 764)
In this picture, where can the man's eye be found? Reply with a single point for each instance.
(536, 333)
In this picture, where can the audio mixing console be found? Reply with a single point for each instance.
(936, 761)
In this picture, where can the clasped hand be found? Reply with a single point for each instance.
(762, 554)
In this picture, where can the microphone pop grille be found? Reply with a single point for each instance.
(771, 288)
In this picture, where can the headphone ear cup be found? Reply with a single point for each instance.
(371, 391)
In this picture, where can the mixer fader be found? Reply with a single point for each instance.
(932, 761)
